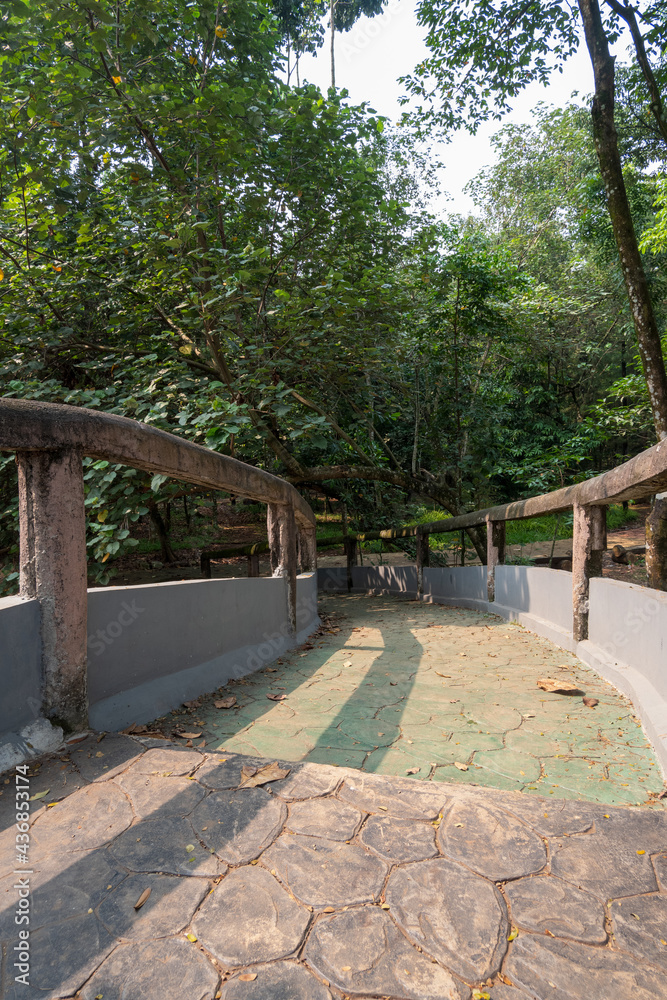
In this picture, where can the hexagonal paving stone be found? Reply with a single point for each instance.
(516, 769)
(640, 926)
(552, 818)
(326, 872)
(362, 951)
(248, 918)
(168, 909)
(324, 818)
(172, 761)
(62, 957)
(306, 781)
(161, 845)
(154, 797)
(399, 840)
(546, 904)
(239, 825)
(502, 992)
(116, 752)
(660, 864)
(455, 916)
(563, 970)
(155, 970)
(606, 866)
(85, 820)
(222, 771)
(282, 981)
(406, 798)
(490, 842)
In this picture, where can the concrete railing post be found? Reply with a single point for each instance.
(495, 554)
(308, 549)
(588, 543)
(350, 546)
(423, 558)
(53, 571)
(281, 526)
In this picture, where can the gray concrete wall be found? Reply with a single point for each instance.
(20, 663)
(544, 593)
(152, 647)
(467, 582)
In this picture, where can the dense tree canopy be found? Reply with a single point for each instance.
(189, 239)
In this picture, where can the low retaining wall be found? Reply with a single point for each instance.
(149, 649)
(627, 642)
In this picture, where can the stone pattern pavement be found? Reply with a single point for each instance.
(326, 884)
(396, 687)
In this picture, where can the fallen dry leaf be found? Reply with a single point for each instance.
(226, 702)
(276, 697)
(328, 909)
(202, 744)
(413, 770)
(248, 977)
(188, 736)
(251, 777)
(195, 703)
(191, 937)
(461, 767)
(590, 702)
(557, 687)
(39, 795)
(142, 899)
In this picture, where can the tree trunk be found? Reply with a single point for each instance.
(168, 555)
(332, 11)
(646, 327)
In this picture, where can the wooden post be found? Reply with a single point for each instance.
(205, 565)
(350, 545)
(281, 527)
(53, 571)
(308, 549)
(253, 564)
(423, 558)
(588, 544)
(495, 554)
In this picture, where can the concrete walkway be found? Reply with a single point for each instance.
(155, 877)
(160, 872)
(396, 688)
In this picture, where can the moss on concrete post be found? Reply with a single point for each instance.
(423, 558)
(495, 554)
(656, 544)
(53, 571)
(588, 543)
(281, 527)
(308, 549)
(350, 546)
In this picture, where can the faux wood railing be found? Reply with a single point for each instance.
(50, 441)
(643, 475)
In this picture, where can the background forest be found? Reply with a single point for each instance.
(190, 240)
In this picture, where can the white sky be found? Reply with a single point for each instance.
(371, 57)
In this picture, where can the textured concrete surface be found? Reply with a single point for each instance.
(325, 884)
(397, 687)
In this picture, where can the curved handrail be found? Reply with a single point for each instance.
(32, 425)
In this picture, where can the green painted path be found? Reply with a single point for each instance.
(444, 694)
